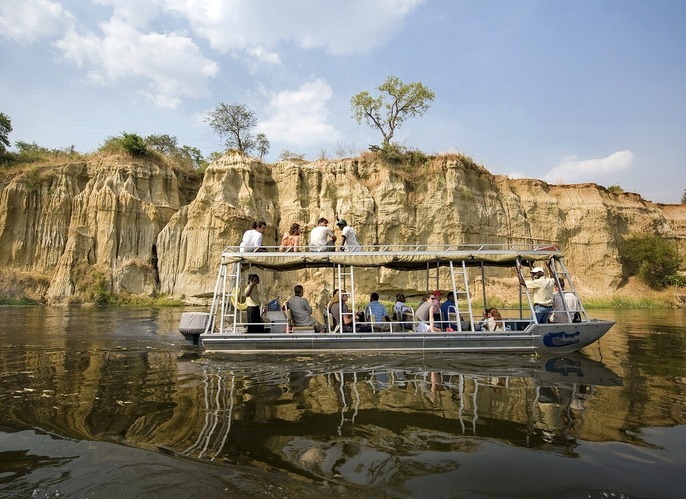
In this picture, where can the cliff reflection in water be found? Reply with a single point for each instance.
(128, 377)
(367, 420)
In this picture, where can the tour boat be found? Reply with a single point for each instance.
(464, 269)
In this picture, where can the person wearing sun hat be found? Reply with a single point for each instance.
(542, 288)
(348, 239)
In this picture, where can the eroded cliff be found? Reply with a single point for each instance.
(125, 226)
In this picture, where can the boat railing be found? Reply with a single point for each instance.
(368, 324)
(415, 248)
(458, 257)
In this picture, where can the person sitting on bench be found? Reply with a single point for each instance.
(301, 311)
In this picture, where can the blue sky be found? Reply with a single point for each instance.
(567, 91)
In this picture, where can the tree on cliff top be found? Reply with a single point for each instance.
(234, 124)
(5, 129)
(262, 145)
(398, 101)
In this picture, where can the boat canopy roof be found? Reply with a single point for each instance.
(399, 257)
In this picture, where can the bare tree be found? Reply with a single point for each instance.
(233, 123)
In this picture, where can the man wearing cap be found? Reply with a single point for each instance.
(543, 293)
(348, 239)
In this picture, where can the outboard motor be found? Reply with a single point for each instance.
(193, 324)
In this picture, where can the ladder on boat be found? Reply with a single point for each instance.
(343, 275)
(559, 272)
(460, 282)
(226, 302)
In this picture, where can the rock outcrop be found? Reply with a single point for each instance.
(125, 225)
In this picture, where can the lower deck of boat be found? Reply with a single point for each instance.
(548, 338)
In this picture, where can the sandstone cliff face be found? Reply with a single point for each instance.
(104, 215)
(125, 220)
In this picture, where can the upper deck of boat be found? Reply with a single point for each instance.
(394, 256)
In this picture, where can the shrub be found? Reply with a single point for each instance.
(287, 155)
(615, 189)
(678, 280)
(92, 284)
(130, 143)
(394, 154)
(651, 258)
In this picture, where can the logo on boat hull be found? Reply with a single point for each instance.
(561, 339)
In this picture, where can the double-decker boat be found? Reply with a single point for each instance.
(225, 329)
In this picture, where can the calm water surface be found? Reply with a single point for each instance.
(113, 403)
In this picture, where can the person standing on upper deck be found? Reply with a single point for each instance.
(348, 239)
(542, 288)
(252, 238)
(322, 238)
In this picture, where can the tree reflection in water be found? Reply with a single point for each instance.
(382, 423)
(77, 383)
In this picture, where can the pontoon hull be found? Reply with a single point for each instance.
(543, 338)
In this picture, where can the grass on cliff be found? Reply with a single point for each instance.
(134, 301)
(21, 300)
(22, 288)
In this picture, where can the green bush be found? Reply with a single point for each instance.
(30, 152)
(130, 143)
(651, 258)
(91, 284)
(394, 154)
(615, 189)
(22, 300)
(678, 280)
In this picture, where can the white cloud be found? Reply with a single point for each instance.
(135, 13)
(590, 170)
(299, 117)
(259, 56)
(28, 21)
(170, 63)
(141, 41)
(339, 27)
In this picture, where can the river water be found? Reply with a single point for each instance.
(114, 403)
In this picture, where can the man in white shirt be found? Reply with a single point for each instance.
(252, 238)
(348, 239)
(321, 236)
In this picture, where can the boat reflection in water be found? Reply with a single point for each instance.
(382, 420)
